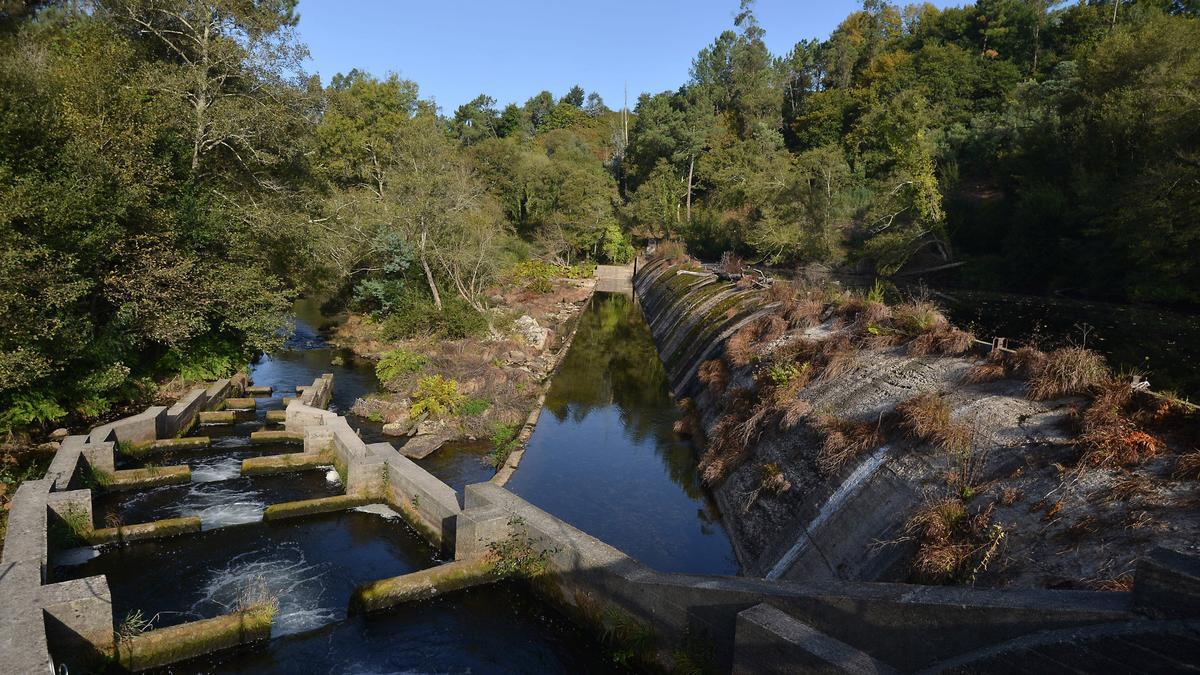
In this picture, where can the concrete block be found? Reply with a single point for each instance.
(259, 391)
(318, 440)
(288, 463)
(308, 507)
(1166, 584)
(164, 646)
(79, 621)
(100, 458)
(769, 642)
(240, 403)
(183, 414)
(151, 476)
(157, 529)
(410, 486)
(300, 416)
(218, 417)
(422, 585)
(140, 428)
(216, 393)
(25, 536)
(266, 437)
(476, 528)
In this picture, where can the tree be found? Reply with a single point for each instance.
(656, 203)
(595, 105)
(476, 120)
(574, 97)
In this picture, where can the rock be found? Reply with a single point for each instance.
(422, 445)
(47, 448)
(429, 427)
(395, 429)
(527, 327)
(59, 434)
(515, 356)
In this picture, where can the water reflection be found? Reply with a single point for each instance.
(604, 456)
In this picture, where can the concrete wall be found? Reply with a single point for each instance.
(900, 626)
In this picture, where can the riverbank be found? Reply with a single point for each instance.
(848, 439)
(437, 391)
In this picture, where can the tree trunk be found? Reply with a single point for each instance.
(1116, 5)
(691, 167)
(437, 298)
(201, 101)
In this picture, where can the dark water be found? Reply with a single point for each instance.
(218, 503)
(604, 456)
(1156, 341)
(312, 564)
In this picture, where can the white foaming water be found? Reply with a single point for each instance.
(76, 556)
(220, 507)
(282, 573)
(223, 468)
(332, 477)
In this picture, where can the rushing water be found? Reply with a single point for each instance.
(604, 456)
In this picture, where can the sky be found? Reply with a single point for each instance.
(512, 49)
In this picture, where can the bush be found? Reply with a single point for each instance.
(1067, 371)
(210, 358)
(417, 316)
(30, 408)
(437, 397)
(504, 441)
(398, 362)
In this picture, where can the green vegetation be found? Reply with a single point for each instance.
(473, 407)
(399, 362)
(517, 554)
(504, 441)
(436, 396)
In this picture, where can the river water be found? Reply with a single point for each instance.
(604, 456)
(312, 564)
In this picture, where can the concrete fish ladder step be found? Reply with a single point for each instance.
(164, 646)
(148, 477)
(163, 444)
(142, 531)
(287, 463)
(259, 391)
(241, 403)
(422, 585)
(309, 507)
(270, 436)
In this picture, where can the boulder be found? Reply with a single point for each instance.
(59, 434)
(422, 445)
(396, 428)
(529, 330)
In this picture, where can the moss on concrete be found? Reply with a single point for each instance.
(422, 585)
(240, 404)
(165, 646)
(154, 530)
(187, 443)
(272, 436)
(271, 464)
(308, 507)
(218, 417)
(277, 416)
(148, 477)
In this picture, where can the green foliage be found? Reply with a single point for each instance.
(31, 408)
(436, 396)
(538, 275)
(473, 407)
(415, 315)
(399, 362)
(504, 441)
(207, 359)
(616, 247)
(782, 374)
(518, 555)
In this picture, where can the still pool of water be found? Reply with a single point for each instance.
(604, 456)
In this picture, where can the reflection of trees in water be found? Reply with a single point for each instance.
(613, 362)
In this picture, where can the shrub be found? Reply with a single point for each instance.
(30, 408)
(750, 340)
(210, 358)
(418, 316)
(918, 316)
(1109, 438)
(399, 362)
(732, 264)
(671, 251)
(1067, 371)
(436, 396)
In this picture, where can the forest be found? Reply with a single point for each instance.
(171, 178)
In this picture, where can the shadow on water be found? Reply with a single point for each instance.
(1156, 341)
(605, 458)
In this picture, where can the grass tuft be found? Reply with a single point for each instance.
(1068, 371)
(843, 440)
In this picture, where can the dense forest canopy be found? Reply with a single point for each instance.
(170, 177)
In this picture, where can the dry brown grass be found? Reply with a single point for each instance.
(726, 447)
(915, 317)
(1025, 362)
(793, 411)
(715, 375)
(1187, 467)
(835, 357)
(806, 312)
(1068, 371)
(732, 264)
(1109, 438)
(953, 546)
(843, 440)
(941, 339)
(983, 373)
(672, 251)
(927, 417)
(750, 341)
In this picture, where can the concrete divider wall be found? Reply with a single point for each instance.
(902, 625)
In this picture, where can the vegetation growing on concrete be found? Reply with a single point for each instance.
(519, 554)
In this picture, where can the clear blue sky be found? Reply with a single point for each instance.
(512, 49)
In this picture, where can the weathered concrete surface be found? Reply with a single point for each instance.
(276, 416)
(308, 507)
(288, 463)
(164, 646)
(218, 417)
(182, 416)
(148, 477)
(421, 585)
(423, 445)
(428, 503)
(1167, 584)
(905, 626)
(140, 428)
(163, 444)
(240, 403)
(259, 391)
(614, 278)
(157, 529)
(269, 436)
(771, 642)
